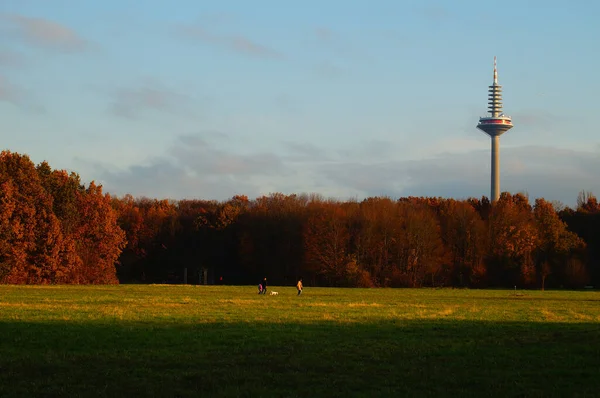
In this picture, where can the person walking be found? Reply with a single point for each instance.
(299, 286)
(264, 286)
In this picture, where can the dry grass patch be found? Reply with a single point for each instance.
(445, 312)
(365, 305)
(550, 316)
(240, 301)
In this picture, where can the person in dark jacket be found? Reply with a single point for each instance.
(264, 285)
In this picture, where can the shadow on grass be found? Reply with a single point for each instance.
(326, 359)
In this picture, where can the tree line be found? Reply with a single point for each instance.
(55, 229)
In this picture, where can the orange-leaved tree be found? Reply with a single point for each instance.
(514, 237)
(420, 249)
(556, 242)
(326, 241)
(34, 249)
(88, 223)
(100, 239)
(467, 240)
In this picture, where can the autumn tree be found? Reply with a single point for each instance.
(420, 252)
(34, 249)
(482, 206)
(99, 238)
(556, 243)
(326, 240)
(151, 226)
(587, 202)
(514, 237)
(585, 222)
(219, 232)
(88, 222)
(380, 225)
(467, 240)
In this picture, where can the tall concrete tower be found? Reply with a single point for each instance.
(494, 126)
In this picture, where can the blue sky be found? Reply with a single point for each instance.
(201, 99)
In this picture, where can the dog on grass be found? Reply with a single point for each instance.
(274, 293)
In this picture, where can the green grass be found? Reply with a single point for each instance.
(180, 341)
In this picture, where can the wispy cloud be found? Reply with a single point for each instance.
(333, 46)
(130, 102)
(198, 154)
(433, 12)
(328, 70)
(11, 58)
(44, 33)
(195, 167)
(17, 96)
(239, 44)
(324, 34)
(337, 44)
(9, 92)
(305, 152)
(537, 118)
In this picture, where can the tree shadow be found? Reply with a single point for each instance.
(328, 359)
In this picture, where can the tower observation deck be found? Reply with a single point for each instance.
(495, 125)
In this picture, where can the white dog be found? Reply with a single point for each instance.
(274, 293)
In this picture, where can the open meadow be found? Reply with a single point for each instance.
(139, 340)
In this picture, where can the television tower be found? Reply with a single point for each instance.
(494, 126)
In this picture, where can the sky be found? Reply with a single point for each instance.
(348, 99)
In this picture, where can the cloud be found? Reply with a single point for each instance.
(197, 154)
(238, 44)
(132, 101)
(328, 70)
(539, 120)
(17, 96)
(371, 149)
(335, 44)
(434, 13)
(323, 34)
(11, 58)
(9, 92)
(305, 152)
(44, 33)
(195, 167)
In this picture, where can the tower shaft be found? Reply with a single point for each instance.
(495, 186)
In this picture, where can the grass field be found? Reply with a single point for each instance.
(187, 341)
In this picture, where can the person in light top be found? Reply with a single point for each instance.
(299, 286)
